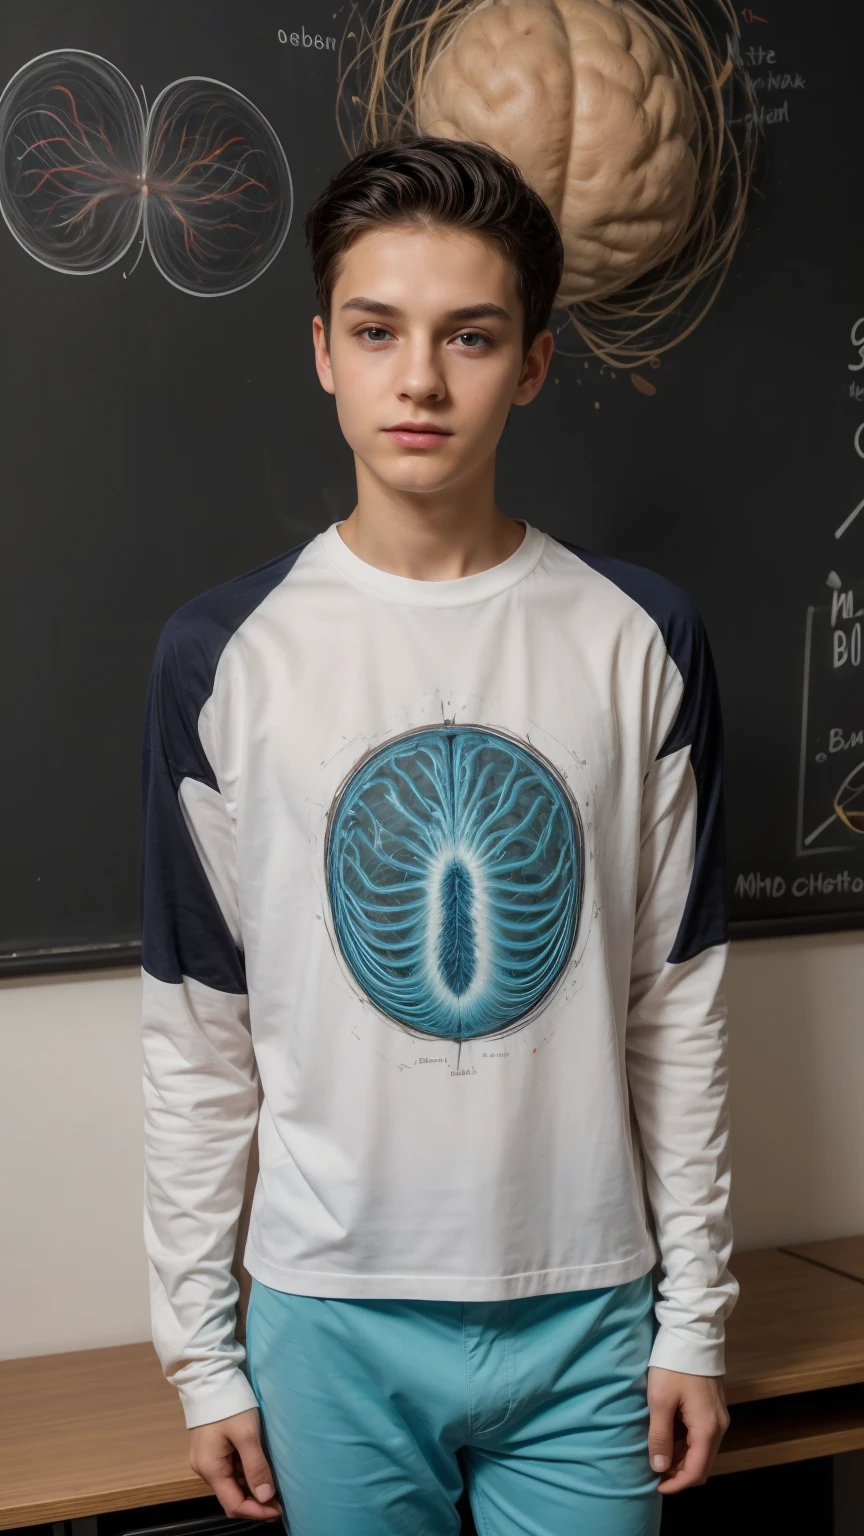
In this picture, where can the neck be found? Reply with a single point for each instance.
(430, 537)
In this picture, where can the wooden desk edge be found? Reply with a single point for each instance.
(774, 1431)
(755, 1389)
(780, 1453)
(107, 1500)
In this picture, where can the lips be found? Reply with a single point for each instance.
(418, 434)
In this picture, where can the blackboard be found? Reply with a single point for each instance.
(156, 443)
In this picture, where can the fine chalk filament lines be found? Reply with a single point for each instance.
(202, 177)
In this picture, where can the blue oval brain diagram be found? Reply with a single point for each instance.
(454, 872)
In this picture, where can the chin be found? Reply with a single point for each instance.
(416, 485)
(417, 478)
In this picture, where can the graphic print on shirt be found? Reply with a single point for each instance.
(454, 863)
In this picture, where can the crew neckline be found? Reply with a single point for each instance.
(434, 594)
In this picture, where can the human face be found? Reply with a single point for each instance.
(425, 355)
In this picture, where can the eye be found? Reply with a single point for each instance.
(473, 340)
(374, 333)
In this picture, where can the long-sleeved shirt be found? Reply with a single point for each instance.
(438, 867)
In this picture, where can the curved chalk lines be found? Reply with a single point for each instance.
(849, 800)
(203, 178)
(454, 874)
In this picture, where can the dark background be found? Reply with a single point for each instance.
(155, 444)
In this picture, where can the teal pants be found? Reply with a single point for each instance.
(372, 1410)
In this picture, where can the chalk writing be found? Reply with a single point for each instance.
(757, 887)
(304, 39)
(756, 56)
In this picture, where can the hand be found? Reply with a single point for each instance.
(228, 1455)
(688, 1421)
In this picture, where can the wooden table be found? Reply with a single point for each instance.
(90, 1431)
(843, 1254)
(97, 1430)
(797, 1327)
(794, 1358)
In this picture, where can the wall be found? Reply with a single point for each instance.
(74, 1273)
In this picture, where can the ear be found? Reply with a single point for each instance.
(322, 355)
(534, 368)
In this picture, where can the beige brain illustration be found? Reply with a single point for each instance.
(617, 112)
(586, 100)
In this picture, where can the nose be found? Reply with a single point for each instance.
(421, 377)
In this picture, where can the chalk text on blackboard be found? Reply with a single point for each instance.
(757, 887)
(304, 39)
(847, 647)
(857, 339)
(771, 82)
(753, 886)
(755, 57)
(846, 644)
(838, 741)
(843, 607)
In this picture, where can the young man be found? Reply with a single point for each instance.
(433, 852)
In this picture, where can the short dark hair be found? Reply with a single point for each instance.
(446, 182)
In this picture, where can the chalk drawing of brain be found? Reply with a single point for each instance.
(454, 874)
(202, 178)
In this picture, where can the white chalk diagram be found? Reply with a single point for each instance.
(200, 178)
(832, 724)
(831, 767)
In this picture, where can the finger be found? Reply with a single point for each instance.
(220, 1473)
(679, 1445)
(661, 1432)
(236, 1503)
(256, 1470)
(698, 1456)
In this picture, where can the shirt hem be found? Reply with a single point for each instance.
(534, 1282)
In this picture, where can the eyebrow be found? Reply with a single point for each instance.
(390, 312)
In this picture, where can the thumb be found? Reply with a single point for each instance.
(255, 1468)
(660, 1434)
